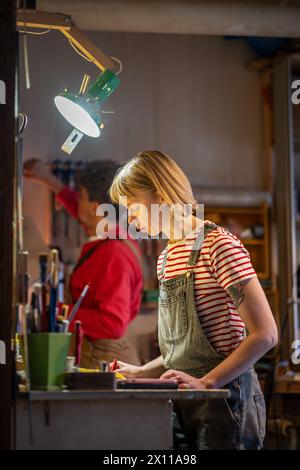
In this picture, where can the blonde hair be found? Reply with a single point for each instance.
(156, 172)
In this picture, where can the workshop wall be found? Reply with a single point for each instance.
(190, 96)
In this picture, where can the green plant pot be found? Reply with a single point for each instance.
(47, 356)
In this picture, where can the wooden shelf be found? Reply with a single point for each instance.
(253, 241)
(237, 219)
(287, 386)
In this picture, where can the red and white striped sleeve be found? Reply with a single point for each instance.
(230, 261)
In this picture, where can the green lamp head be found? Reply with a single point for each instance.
(84, 111)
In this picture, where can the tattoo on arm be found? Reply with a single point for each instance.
(236, 292)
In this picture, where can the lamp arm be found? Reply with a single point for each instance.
(65, 24)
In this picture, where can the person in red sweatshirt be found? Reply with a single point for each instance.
(111, 266)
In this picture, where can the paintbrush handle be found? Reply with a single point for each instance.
(43, 261)
(78, 341)
(78, 303)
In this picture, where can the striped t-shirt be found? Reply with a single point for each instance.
(223, 261)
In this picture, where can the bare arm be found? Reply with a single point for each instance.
(152, 369)
(254, 310)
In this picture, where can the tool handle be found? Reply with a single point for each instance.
(65, 311)
(65, 326)
(52, 310)
(78, 341)
(78, 303)
(43, 262)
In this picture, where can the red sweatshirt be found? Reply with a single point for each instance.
(115, 278)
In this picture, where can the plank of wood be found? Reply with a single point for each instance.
(7, 169)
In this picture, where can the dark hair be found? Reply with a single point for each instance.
(96, 177)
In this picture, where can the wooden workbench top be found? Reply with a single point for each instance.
(125, 394)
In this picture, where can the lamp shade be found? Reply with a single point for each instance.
(83, 112)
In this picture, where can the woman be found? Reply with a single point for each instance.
(209, 295)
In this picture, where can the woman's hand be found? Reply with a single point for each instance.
(128, 370)
(186, 381)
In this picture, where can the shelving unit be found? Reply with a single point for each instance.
(260, 249)
(237, 219)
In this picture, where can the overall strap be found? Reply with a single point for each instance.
(88, 254)
(204, 231)
(195, 249)
(164, 262)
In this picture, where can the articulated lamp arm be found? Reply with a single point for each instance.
(65, 24)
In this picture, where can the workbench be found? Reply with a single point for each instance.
(102, 419)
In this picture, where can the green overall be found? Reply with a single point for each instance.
(234, 423)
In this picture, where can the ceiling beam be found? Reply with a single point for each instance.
(271, 18)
